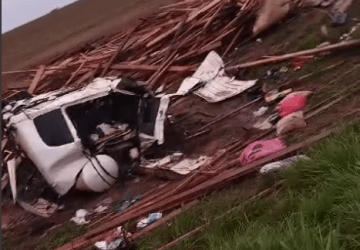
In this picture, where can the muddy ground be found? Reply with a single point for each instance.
(327, 75)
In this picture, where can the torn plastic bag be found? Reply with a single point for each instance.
(261, 149)
(80, 217)
(170, 164)
(291, 123)
(263, 124)
(293, 102)
(119, 239)
(274, 95)
(260, 111)
(286, 163)
(216, 85)
(149, 220)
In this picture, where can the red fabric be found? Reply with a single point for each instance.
(292, 104)
(260, 149)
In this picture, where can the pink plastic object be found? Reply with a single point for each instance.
(261, 149)
(292, 104)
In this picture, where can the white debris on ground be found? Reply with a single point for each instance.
(171, 162)
(286, 163)
(260, 111)
(150, 219)
(347, 36)
(215, 86)
(79, 218)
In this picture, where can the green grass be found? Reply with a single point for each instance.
(61, 236)
(318, 208)
(6, 243)
(53, 240)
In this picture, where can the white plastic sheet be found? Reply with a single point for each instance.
(217, 86)
(79, 218)
(182, 167)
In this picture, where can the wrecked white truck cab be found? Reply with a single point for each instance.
(85, 138)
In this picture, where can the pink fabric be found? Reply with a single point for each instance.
(261, 149)
(292, 104)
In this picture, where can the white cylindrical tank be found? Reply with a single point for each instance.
(98, 175)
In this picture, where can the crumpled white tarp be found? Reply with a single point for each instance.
(103, 245)
(286, 163)
(79, 218)
(183, 167)
(113, 242)
(42, 207)
(217, 86)
(149, 220)
(260, 111)
(263, 124)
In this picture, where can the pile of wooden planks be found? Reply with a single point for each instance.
(175, 40)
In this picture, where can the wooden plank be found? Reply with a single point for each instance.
(52, 69)
(18, 71)
(36, 79)
(230, 175)
(162, 69)
(144, 67)
(196, 13)
(148, 35)
(222, 117)
(164, 35)
(282, 58)
(74, 74)
(84, 78)
(4, 143)
(209, 21)
(205, 49)
(233, 41)
(308, 116)
(116, 53)
(198, 229)
(183, 237)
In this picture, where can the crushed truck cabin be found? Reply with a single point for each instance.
(88, 138)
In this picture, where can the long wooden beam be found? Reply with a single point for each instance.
(282, 58)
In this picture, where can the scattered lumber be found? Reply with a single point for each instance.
(222, 117)
(168, 45)
(36, 79)
(191, 28)
(168, 201)
(282, 58)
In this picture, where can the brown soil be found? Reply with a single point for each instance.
(70, 27)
